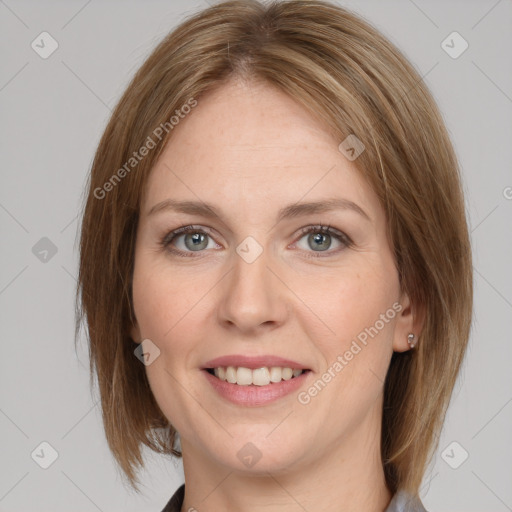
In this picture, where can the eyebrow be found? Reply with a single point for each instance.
(288, 212)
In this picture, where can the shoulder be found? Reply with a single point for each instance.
(175, 503)
(401, 502)
(405, 502)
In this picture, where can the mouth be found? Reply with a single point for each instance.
(263, 376)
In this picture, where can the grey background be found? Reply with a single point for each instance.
(53, 113)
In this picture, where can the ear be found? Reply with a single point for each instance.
(410, 319)
(135, 333)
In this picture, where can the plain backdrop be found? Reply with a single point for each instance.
(54, 110)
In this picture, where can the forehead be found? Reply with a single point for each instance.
(252, 146)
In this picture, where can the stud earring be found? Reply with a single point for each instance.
(410, 340)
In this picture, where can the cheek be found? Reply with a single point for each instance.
(351, 299)
(163, 303)
(355, 304)
(169, 307)
(163, 298)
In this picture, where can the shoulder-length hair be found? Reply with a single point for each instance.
(355, 81)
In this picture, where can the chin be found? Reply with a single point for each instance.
(258, 454)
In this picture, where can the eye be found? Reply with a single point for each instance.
(319, 239)
(187, 240)
(194, 239)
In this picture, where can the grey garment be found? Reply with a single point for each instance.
(404, 502)
(401, 502)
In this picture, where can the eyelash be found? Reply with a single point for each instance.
(338, 235)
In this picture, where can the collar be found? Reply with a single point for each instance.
(401, 502)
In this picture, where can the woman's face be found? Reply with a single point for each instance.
(252, 283)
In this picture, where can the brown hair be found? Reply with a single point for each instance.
(349, 76)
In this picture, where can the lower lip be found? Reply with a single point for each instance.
(252, 395)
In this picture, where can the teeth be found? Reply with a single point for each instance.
(276, 374)
(244, 376)
(287, 373)
(231, 374)
(258, 377)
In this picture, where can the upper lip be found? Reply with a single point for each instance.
(254, 362)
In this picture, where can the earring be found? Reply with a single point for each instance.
(410, 340)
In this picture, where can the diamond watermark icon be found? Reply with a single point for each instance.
(351, 147)
(249, 250)
(249, 455)
(44, 45)
(147, 352)
(44, 250)
(454, 45)
(454, 455)
(44, 455)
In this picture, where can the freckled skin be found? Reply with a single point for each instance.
(250, 150)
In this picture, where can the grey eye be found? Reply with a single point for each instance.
(195, 241)
(319, 241)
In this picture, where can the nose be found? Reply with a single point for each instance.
(254, 296)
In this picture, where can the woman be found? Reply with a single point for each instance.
(275, 263)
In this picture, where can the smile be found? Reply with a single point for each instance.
(247, 392)
(242, 376)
